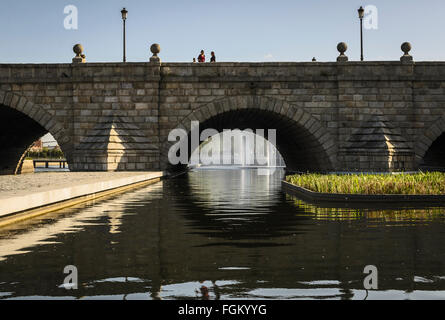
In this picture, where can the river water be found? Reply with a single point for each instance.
(223, 234)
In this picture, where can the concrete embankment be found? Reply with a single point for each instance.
(26, 196)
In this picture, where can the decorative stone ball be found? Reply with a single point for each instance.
(342, 47)
(78, 49)
(155, 49)
(406, 47)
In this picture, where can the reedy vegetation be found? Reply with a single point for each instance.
(418, 183)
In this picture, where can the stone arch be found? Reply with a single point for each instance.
(427, 138)
(41, 117)
(289, 115)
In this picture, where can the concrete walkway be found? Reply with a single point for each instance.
(30, 191)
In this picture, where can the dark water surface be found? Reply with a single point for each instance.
(223, 234)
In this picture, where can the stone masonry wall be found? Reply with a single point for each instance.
(115, 116)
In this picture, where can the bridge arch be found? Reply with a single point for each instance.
(21, 123)
(431, 144)
(304, 143)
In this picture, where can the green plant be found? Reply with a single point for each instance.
(418, 183)
(46, 153)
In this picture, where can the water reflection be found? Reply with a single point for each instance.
(380, 212)
(15, 239)
(219, 235)
(239, 206)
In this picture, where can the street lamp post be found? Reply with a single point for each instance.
(361, 14)
(124, 18)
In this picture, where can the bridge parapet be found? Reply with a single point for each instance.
(230, 71)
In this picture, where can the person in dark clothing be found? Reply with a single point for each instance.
(202, 57)
(213, 58)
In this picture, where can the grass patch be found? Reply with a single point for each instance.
(431, 183)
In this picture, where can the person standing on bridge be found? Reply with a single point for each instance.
(213, 57)
(202, 57)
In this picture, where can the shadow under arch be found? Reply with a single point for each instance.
(304, 143)
(431, 145)
(21, 123)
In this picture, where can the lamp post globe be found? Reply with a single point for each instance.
(361, 12)
(124, 13)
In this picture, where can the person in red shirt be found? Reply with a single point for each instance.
(202, 57)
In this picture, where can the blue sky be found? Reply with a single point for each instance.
(244, 30)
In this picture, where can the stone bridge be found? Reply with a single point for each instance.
(358, 116)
